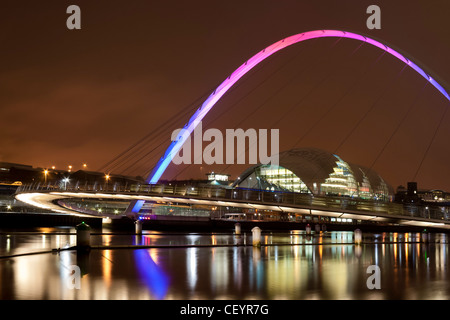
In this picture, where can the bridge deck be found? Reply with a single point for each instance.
(217, 196)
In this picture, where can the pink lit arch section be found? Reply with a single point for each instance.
(175, 146)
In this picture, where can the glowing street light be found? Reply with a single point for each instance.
(70, 168)
(107, 177)
(84, 165)
(65, 180)
(45, 175)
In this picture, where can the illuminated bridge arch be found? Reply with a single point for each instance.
(175, 146)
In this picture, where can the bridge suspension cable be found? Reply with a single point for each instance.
(208, 123)
(255, 60)
(405, 116)
(389, 86)
(121, 157)
(317, 85)
(441, 120)
(261, 105)
(138, 151)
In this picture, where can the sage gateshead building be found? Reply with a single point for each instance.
(317, 172)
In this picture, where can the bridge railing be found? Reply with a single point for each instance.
(240, 194)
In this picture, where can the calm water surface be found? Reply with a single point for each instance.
(290, 265)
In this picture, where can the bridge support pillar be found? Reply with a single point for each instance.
(358, 236)
(138, 226)
(424, 236)
(317, 228)
(256, 236)
(83, 236)
(237, 228)
(308, 229)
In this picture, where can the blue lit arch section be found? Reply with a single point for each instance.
(197, 117)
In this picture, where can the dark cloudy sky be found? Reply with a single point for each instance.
(84, 96)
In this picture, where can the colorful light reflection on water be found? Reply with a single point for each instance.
(288, 266)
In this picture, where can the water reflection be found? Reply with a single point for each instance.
(153, 276)
(191, 267)
(25, 242)
(294, 265)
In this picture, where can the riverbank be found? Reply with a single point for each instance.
(20, 221)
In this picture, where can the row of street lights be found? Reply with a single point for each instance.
(66, 179)
(46, 172)
(70, 167)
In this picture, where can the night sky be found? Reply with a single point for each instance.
(69, 97)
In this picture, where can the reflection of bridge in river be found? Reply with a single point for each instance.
(287, 205)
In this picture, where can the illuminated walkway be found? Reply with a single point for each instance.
(214, 196)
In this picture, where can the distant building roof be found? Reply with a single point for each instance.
(8, 165)
(314, 166)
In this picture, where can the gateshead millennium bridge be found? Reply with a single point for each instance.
(211, 198)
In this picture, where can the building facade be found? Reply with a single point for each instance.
(317, 172)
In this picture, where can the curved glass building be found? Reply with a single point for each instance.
(318, 172)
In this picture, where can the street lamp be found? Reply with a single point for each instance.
(107, 177)
(45, 175)
(70, 168)
(65, 180)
